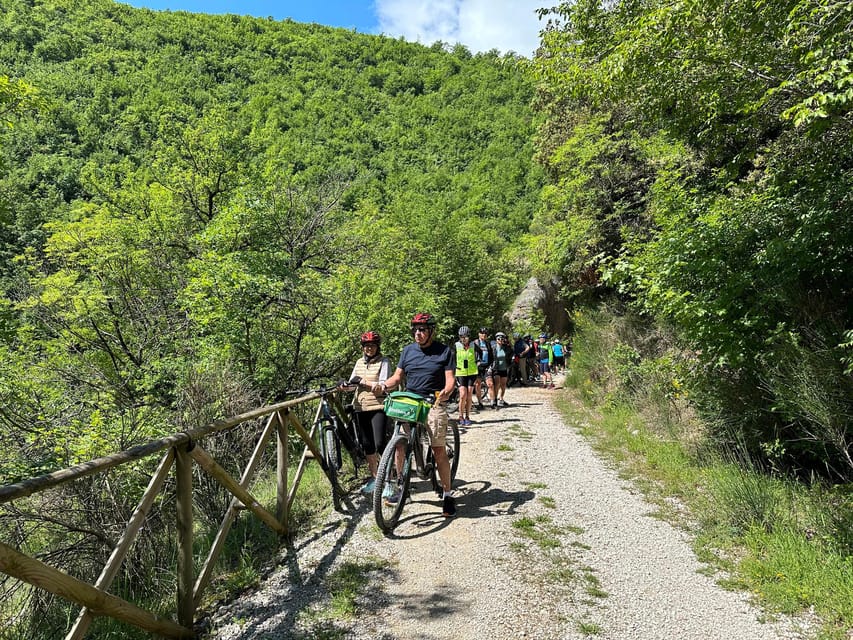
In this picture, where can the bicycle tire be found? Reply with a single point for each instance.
(452, 443)
(387, 515)
(331, 453)
(333, 446)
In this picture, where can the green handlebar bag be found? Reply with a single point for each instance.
(403, 405)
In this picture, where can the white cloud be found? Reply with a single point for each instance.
(481, 25)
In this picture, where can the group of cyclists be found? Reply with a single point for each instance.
(434, 371)
(530, 355)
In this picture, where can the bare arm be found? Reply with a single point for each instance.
(390, 383)
(449, 383)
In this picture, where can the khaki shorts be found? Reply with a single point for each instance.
(436, 425)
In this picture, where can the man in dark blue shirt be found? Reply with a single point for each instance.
(428, 367)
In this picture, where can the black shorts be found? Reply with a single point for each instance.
(466, 381)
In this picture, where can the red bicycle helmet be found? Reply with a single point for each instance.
(371, 336)
(423, 318)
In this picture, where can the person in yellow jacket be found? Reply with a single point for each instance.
(466, 374)
(370, 370)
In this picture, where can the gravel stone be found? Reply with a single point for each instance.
(605, 566)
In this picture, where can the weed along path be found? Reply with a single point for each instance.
(548, 543)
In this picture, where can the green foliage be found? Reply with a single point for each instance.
(211, 191)
(699, 160)
(198, 213)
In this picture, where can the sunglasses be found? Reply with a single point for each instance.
(369, 344)
(420, 329)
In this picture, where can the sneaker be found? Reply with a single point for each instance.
(388, 490)
(395, 497)
(480, 406)
(367, 487)
(449, 507)
(495, 406)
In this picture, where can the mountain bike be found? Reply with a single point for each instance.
(415, 456)
(336, 432)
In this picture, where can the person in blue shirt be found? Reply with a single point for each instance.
(428, 367)
(559, 356)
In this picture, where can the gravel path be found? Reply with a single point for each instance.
(548, 543)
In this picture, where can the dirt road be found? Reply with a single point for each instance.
(548, 543)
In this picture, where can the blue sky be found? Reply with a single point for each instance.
(481, 25)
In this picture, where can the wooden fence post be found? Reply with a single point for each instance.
(282, 511)
(184, 525)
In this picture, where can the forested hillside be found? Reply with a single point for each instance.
(200, 212)
(700, 166)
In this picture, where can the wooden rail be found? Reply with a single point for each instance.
(180, 451)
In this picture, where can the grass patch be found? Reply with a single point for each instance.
(348, 583)
(532, 486)
(505, 447)
(589, 628)
(548, 502)
(539, 530)
(519, 432)
(593, 586)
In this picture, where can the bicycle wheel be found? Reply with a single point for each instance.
(330, 449)
(333, 447)
(391, 483)
(451, 444)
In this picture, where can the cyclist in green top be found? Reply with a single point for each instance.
(466, 374)
(546, 357)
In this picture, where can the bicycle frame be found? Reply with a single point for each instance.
(409, 451)
(334, 427)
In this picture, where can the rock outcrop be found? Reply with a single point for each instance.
(538, 303)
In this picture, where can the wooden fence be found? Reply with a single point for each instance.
(179, 452)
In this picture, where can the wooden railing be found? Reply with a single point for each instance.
(179, 451)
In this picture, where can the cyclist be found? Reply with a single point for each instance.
(521, 349)
(485, 357)
(545, 359)
(466, 374)
(371, 369)
(500, 369)
(532, 364)
(428, 367)
(559, 356)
